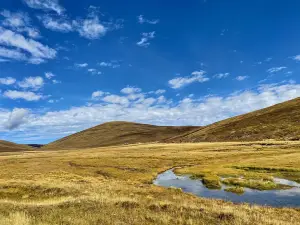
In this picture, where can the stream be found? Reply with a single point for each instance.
(276, 198)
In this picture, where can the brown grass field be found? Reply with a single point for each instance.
(113, 185)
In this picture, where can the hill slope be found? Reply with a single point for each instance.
(6, 146)
(280, 122)
(116, 133)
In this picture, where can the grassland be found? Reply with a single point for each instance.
(113, 185)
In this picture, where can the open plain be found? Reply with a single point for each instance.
(113, 185)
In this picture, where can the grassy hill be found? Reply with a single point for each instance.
(6, 146)
(280, 122)
(117, 133)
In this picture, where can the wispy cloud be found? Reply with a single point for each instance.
(36, 51)
(221, 75)
(49, 75)
(94, 71)
(142, 20)
(97, 94)
(19, 22)
(10, 54)
(276, 69)
(56, 81)
(196, 76)
(296, 57)
(47, 5)
(241, 78)
(130, 90)
(91, 27)
(112, 64)
(158, 92)
(81, 65)
(144, 42)
(60, 24)
(268, 59)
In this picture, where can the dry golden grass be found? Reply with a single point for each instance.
(113, 185)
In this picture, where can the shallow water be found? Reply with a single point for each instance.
(277, 198)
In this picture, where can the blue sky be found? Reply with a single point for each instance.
(65, 67)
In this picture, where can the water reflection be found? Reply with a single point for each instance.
(278, 198)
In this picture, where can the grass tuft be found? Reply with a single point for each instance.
(211, 181)
(235, 189)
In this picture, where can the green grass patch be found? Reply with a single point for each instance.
(212, 182)
(236, 190)
(254, 184)
(267, 169)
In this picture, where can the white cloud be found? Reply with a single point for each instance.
(91, 28)
(221, 75)
(16, 118)
(81, 65)
(196, 76)
(14, 54)
(94, 71)
(116, 99)
(241, 78)
(7, 80)
(130, 90)
(144, 42)
(161, 99)
(56, 81)
(268, 59)
(159, 91)
(160, 111)
(48, 5)
(276, 69)
(19, 22)
(38, 51)
(56, 24)
(142, 20)
(49, 75)
(32, 82)
(296, 57)
(26, 95)
(97, 94)
(112, 64)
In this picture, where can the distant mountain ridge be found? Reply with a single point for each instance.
(279, 122)
(6, 146)
(118, 133)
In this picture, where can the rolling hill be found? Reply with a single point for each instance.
(6, 146)
(118, 133)
(279, 122)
